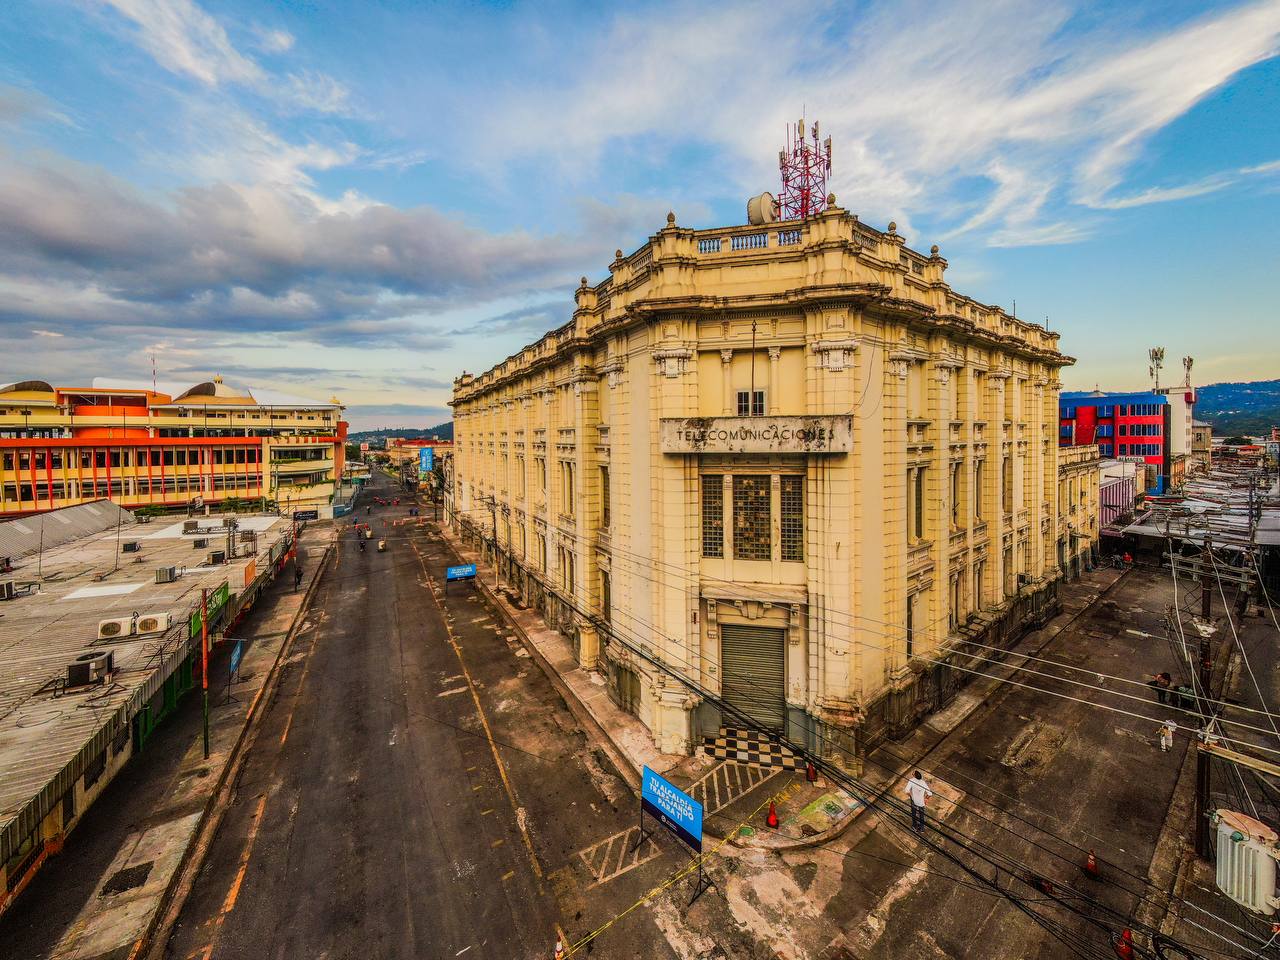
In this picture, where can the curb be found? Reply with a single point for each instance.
(803, 843)
(154, 940)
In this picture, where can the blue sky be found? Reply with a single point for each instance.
(363, 198)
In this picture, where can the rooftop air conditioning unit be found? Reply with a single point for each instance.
(217, 557)
(7, 588)
(199, 543)
(166, 574)
(90, 667)
(1246, 869)
(115, 629)
(190, 526)
(131, 546)
(154, 623)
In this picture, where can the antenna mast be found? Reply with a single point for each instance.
(805, 165)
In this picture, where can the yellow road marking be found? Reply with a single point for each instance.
(508, 875)
(497, 843)
(484, 720)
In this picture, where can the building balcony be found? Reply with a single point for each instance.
(295, 466)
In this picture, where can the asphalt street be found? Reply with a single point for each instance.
(419, 790)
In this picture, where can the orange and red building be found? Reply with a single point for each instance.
(141, 447)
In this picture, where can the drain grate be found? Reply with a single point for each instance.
(127, 879)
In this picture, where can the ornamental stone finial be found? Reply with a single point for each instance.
(671, 219)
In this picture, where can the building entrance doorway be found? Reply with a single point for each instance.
(753, 673)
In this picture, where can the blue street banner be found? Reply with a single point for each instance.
(426, 459)
(236, 653)
(672, 807)
(466, 571)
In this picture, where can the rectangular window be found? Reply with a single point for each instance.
(713, 515)
(977, 490)
(542, 473)
(604, 497)
(793, 518)
(911, 625)
(542, 552)
(979, 570)
(566, 487)
(606, 597)
(1006, 485)
(917, 507)
(750, 404)
(955, 494)
(751, 518)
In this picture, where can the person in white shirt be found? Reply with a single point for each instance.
(1166, 735)
(919, 793)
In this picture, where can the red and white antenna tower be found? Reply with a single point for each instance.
(805, 165)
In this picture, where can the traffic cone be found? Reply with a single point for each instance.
(1091, 865)
(811, 772)
(772, 819)
(1124, 946)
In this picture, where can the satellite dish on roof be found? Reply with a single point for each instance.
(762, 209)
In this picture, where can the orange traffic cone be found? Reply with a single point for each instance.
(1091, 865)
(1124, 946)
(772, 819)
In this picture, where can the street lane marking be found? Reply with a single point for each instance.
(484, 721)
(450, 693)
(485, 813)
(233, 894)
(613, 856)
(508, 875)
(497, 843)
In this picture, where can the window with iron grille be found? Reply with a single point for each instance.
(792, 518)
(713, 515)
(751, 518)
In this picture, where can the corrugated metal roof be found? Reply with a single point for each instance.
(28, 535)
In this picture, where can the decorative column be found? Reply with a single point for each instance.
(726, 378)
(775, 354)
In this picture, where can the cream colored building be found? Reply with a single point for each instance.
(787, 462)
(1079, 476)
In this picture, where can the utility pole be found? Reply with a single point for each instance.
(204, 663)
(1204, 781)
(493, 515)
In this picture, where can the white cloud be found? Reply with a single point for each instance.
(919, 100)
(46, 333)
(274, 41)
(186, 40)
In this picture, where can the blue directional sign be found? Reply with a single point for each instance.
(236, 653)
(426, 459)
(466, 571)
(672, 807)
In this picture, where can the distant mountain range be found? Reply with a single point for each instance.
(1247, 409)
(443, 431)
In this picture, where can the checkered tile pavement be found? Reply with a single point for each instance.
(748, 746)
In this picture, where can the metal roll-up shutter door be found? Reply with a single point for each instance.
(753, 673)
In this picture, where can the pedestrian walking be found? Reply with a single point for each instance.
(297, 576)
(1161, 682)
(1166, 735)
(918, 791)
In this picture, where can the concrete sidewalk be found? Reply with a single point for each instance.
(121, 915)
